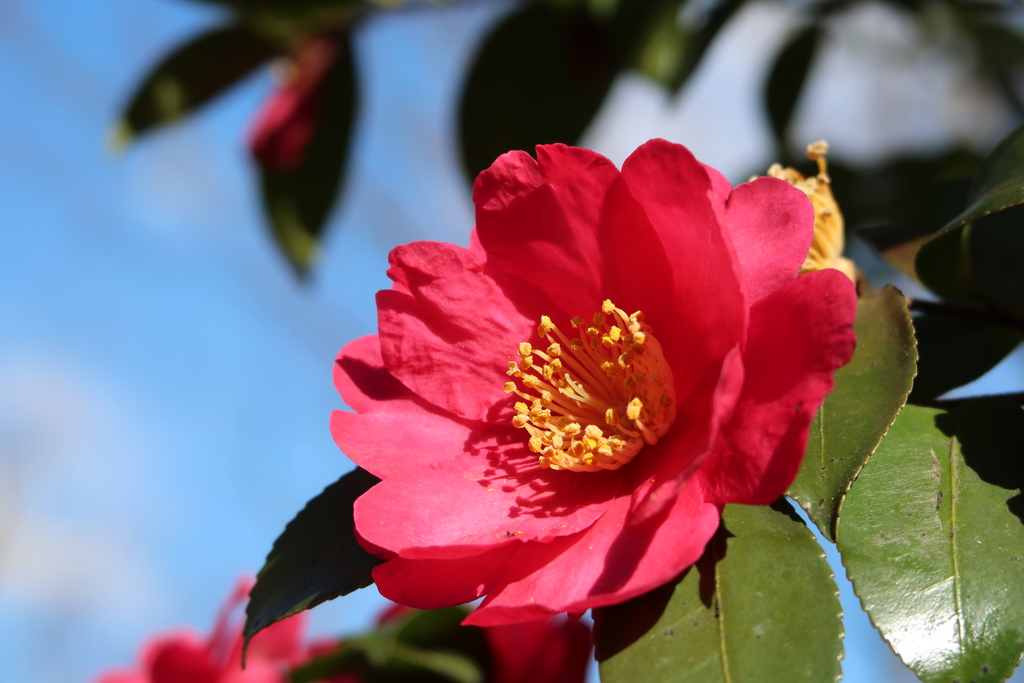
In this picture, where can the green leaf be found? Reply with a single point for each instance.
(317, 557)
(540, 77)
(703, 36)
(298, 201)
(980, 262)
(663, 51)
(191, 76)
(424, 646)
(786, 80)
(999, 183)
(448, 665)
(760, 605)
(932, 539)
(956, 350)
(868, 394)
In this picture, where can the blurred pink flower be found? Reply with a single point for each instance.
(184, 656)
(283, 127)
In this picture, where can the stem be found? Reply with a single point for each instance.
(995, 317)
(1017, 397)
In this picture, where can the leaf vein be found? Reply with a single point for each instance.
(953, 504)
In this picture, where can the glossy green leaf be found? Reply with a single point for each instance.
(956, 350)
(932, 539)
(191, 76)
(317, 557)
(999, 183)
(868, 394)
(980, 263)
(298, 201)
(540, 77)
(425, 646)
(786, 80)
(760, 606)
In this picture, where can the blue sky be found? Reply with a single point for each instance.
(165, 383)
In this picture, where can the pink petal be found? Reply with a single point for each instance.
(710, 312)
(385, 443)
(799, 335)
(771, 224)
(493, 494)
(720, 187)
(450, 339)
(663, 472)
(613, 561)
(180, 656)
(363, 381)
(432, 584)
(538, 220)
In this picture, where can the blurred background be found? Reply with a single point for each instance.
(165, 376)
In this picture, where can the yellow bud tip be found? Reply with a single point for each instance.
(817, 150)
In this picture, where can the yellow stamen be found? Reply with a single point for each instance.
(827, 246)
(590, 403)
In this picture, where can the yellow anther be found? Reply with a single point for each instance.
(510, 387)
(599, 395)
(828, 242)
(545, 327)
(513, 369)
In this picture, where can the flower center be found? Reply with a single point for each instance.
(590, 403)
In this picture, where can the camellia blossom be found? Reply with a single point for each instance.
(559, 412)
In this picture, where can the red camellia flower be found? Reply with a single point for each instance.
(185, 656)
(559, 412)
